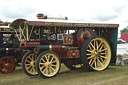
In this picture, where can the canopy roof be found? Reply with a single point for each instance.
(64, 23)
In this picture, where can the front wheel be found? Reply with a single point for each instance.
(28, 64)
(96, 54)
(48, 64)
(7, 64)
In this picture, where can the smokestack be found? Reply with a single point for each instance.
(42, 16)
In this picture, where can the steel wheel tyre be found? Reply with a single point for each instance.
(7, 65)
(96, 54)
(28, 64)
(48, 64)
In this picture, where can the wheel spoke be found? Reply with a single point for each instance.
(7, 61)
(34, 70)
(97, 45)
(102, 53)
(43, 60)
(44, 70)
(29, 67)
(90, 61)
(4, 69)
(50, 71)
(89, 47)
(53, 69)
(89, 51)
(94, 60)
(47, 71)
(92, 45)
(104, 57)
(95, 65)
(27, 64)
(101, 59)
(54, 65)
(30, 58)
(46, 58)
(42, 63)
(10, 65)
(100, 63)
(28, 61)
(31, 70)
(103, 50)
(101, 47)
(52, 59)
(41, 68)
(91, 57)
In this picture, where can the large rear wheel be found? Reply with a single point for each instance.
(48, 64)
(28, 64)
(96, 54)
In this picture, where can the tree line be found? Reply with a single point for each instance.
(125, 30)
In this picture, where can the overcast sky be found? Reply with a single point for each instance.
(110, 11)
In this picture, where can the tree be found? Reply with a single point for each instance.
(125, 30)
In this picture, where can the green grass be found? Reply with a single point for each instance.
(114, 75)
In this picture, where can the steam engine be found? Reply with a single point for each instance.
(51, 42)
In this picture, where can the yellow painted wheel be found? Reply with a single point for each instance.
(48, 64)
(96, 54)
(28, 64)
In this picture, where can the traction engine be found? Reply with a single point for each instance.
(10, 54)
(52, 42)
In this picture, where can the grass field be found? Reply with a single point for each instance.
(114, 75)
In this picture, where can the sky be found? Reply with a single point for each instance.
(106, 11)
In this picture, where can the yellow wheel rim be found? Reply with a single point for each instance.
(30, 64)
(98, 54)
(49, 64)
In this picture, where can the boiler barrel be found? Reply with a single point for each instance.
(55, 48)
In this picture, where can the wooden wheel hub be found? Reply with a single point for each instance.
(48, 64)
(7, 65)
(32, 63)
